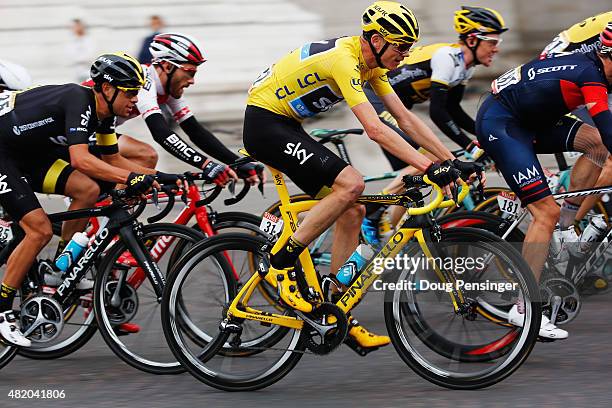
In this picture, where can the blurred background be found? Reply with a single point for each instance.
(57, 39)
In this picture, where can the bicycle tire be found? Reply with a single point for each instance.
(524, 342)
(106, 326)
(196, 364)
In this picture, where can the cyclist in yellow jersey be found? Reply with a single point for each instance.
(308, 81)
(582, 37)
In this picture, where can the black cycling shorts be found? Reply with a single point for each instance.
(389, 120)
(282, 143)
(16, 194)
(514, 147)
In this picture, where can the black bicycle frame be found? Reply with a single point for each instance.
(121, 223)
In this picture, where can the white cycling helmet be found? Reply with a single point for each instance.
(13, 77)
(177, 48)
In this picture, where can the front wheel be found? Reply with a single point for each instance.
(447, 315)
(126, 305)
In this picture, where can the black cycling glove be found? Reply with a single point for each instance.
(467, 168)
(167, 178)
(249, 169)
(138, 183)
(215, 172)
(441, 174)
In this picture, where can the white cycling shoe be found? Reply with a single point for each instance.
(10, 332)
(547, 329)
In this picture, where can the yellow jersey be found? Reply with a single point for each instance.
(581, 37)
(311, 79)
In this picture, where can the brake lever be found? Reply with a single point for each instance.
(155, 198)
(184, 190)
(231, 187)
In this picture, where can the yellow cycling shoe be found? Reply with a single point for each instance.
(364, 338)
(286, 285)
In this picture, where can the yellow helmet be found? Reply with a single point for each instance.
(394, 22)
(478, 20)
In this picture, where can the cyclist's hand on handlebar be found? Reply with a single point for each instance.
(251, 172)
(471, 171)
(219, 174)
(139, 184)
(171, 179)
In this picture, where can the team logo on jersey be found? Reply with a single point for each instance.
(357, 84)
(294, 150)
(33, 125)
(4, 188)
(526, 177)
(85, 117)
(531, 72)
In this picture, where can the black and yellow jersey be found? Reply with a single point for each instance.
(442, 63)
(581, 37)
(312, 78)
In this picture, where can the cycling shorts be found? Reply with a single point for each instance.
(514, 146)
(387, 119)
(16, 194)
(282, 142)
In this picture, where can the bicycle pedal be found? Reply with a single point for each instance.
(362, 351)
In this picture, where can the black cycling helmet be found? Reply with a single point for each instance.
(478, 20)
(118, 69)
(121, 71)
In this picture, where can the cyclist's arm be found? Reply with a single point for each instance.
(206, 141)
(441, 108)
(121, 162)
(90, 165)
(415, 127)
(596, 101)
(172, 143)
(387, 138)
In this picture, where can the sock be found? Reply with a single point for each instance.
(568, 214)
(288, 254)
(7, 294)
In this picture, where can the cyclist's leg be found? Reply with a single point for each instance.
(139, 152)
(20, 202)
(605, 179)
(512, 149)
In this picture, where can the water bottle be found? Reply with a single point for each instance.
(354, 264)
(385, 228)
(72, 251)
(595, 230)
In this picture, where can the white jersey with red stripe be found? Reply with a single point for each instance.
(152, 96)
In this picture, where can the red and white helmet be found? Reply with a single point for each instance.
(177, 48)
(606, 39)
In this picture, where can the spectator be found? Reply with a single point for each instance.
(144, 56)
(80, 51)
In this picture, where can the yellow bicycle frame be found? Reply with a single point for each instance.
(352, 296)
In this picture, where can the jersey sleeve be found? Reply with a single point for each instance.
(380, 83)
(147, 98)
(106, 138)
(79, 112)
(348, 79)
(179, 108)
(442, 67)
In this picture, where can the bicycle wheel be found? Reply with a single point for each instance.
(79, 320)
(483, 220)
(219, 362)
(126, 306)
(471, 346)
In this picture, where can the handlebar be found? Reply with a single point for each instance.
(438, 201)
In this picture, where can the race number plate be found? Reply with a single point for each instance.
(6, 233)
(271, 224)
(508, 202)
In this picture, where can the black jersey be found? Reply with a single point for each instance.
(44, 117)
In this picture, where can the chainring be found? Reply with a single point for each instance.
(570, 299)
(324, 343)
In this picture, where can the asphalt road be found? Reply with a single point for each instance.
(574, 372)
